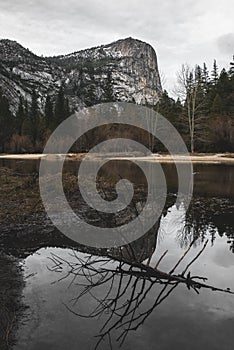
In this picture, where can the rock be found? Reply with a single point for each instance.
(125, 70)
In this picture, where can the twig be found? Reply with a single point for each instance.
(156, 266)
(196, 257)
(183, 256)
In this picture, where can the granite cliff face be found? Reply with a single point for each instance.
(125, 70)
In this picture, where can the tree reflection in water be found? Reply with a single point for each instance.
(208, 217)
(126, 284)
(119, 281)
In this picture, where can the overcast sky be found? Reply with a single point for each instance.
(180, 31)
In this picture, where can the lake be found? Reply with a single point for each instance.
(79, 297)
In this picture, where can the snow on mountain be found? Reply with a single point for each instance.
(125, 70)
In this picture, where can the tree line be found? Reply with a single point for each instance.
(29, 129)
(204, 110)
(203, 113)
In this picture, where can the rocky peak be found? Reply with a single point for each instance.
(125, 70)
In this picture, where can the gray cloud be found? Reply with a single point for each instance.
(180, 31)
(226, 43)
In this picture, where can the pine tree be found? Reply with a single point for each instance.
(216, 108)
(32, 125)
(34, 118)
(223, 84)
(60, 112)
(198, 74)
(108, 95)
(205, 79)
(205, 74)
(49, 113)
(6, 122)
(26, 109)
(231, 70)
(230, 99)
(214, 73)
(20, 116)
(91, 95)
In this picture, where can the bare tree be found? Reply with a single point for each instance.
(188, 88)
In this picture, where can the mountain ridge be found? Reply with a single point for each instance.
(124, 70)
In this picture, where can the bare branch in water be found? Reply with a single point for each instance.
(128, 283)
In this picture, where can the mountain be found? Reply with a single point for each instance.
(125, 70)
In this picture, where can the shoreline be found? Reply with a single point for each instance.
(206, 158)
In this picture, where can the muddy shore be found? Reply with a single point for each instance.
(11, 304)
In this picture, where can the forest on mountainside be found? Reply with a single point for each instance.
(203, 113)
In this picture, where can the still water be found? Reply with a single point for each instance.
(75, 295)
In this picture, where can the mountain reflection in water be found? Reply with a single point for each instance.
(144, 294)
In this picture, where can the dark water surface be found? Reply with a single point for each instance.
(73, 293)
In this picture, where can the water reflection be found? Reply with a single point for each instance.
(126, 287)
(70, 286)
(212, 180)
(122, 304)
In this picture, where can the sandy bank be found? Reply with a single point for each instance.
(220, 158)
